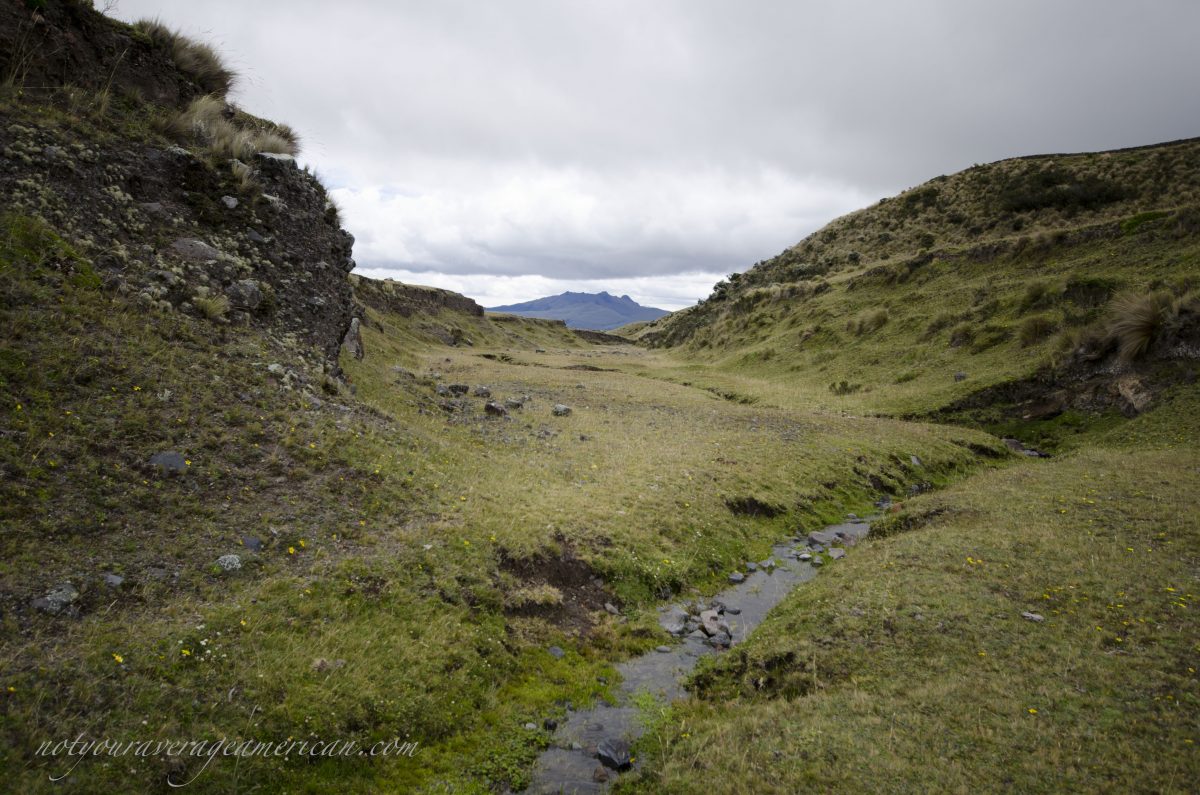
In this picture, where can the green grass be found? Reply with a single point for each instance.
(908, 667)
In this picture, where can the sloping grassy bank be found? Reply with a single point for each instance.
(909, 667)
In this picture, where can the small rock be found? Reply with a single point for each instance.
(482, 391)
(195, 250)
(169, 463)
(254, 236)
(663, 649)
(531, 727)
(915, 461)
(600, 774)
(751, 567)
(229, 562)
(837, 553)
(514, 403)
(1037, 618)
(817, 561)
(277, 157)
(229, 201)
(459, 389)
(804, 556)
(737, 577)
(252, 543)
(494, 409)
(767, 565)
(960, 377)
(721, 640)
(556, 652)
(442, 389)
(710, 622)
(539, 350)
(560, 410)
(733, 611)
(613, 752)
(611, 609)
(156, 573)
(57, 600)
(113, 580)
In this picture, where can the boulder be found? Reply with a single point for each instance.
(560, 410)
(494, 409)
(229, 562)
(613, 752)
(58, 600)
(483, 392)
(737, 577)
(245, 294)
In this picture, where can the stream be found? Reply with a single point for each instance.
(571, 765)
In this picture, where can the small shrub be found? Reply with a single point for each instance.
(1037, 295)
(990, 336)
(1035, 329)
(962, 334)
(844, 387)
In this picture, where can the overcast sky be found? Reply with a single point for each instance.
(515, 149)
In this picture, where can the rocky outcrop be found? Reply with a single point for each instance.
(406, 300)
(175, 230)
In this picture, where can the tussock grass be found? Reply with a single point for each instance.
(1036, 329)
(212, 123)
(213, 307)
(198, 60)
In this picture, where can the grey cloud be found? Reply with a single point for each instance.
(623, 138)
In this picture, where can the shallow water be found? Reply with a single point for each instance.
(567, 766)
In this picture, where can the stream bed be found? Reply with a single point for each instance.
(572, 765)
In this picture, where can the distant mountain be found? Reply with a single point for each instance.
(598, 311)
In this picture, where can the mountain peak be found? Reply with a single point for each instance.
(599, 311)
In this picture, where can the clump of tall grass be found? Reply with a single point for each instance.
(197, 60)
(868, 322)
(214, 124)
(1035, 329)
(1136, 322)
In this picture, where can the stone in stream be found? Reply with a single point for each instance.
(711, 623)
(737, 577)
(821, 538)
(663, 649)
(804, 556)
(600, 774)
(733, 611)
(721, 640)
(674, 620)
(614, 752)
(751, 567)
